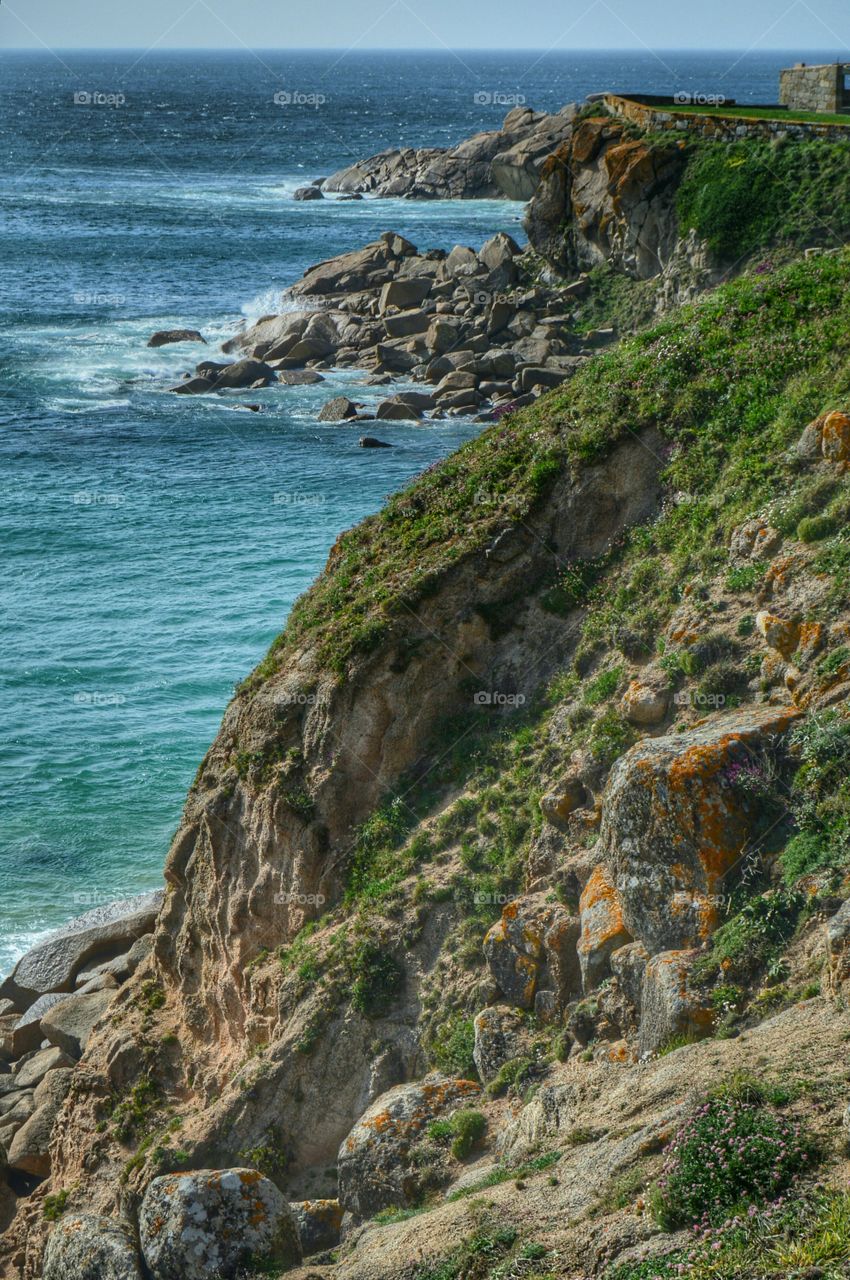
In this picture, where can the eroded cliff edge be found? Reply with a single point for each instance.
(536, 813)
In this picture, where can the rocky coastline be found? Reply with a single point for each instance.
(423, 998)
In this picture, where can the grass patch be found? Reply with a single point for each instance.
(749, 195)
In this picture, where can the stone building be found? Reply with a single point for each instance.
(821, 88)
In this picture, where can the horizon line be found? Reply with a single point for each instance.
(796, 49)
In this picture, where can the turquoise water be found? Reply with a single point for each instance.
(153, 544)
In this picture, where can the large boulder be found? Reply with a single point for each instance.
(215, 1222)
(675, 824)
(26, 1035)
(366, 268)
(83, 1246)
(318, 1223)
(376, 1162)
(501, 1034)
(105, 932)
(29, 1151)
(671, 1006)
(533, 947)
(69, 1023)
(245, 373)
(337, 410)
(404, 293)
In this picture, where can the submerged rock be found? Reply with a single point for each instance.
(166, 336)
(215, 1223)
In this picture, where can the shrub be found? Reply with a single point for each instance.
(511, 1075)
(55, 1205)
(803, 854)
(451, 1047)
(821, 786)
(752, 938)
(816, 528)
(611, 736)
(744, 578)
(729, 1152)
(378, 977)
(603, 687)
(464, 1130)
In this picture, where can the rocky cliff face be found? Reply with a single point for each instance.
(538, 786)
(607, 196)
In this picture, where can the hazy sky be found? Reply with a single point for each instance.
(429, 24)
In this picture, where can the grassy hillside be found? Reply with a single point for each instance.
(729, 383)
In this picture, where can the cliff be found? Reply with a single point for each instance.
(505, 932)
(536, 791)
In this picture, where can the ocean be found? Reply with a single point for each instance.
(152, 545)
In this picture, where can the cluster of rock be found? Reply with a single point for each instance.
(499, 163)
(49, 1006)
(466, 323)
(671, 830)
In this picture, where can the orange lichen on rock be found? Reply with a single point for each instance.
(602, 926)
(835, 438)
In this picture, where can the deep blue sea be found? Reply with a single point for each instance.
(152, 545)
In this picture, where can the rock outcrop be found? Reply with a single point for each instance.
(504, 162)
(605, 196)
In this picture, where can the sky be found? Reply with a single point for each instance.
(798, 25)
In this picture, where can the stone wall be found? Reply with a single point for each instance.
(717, 126)
(805, 88)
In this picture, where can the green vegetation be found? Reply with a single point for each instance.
(745, 945)
(802, 1235)
(55, 1205)
(464, 1130)
(764, 113)
(732, 1151)
(475, 1257)
(750, 195)
(378, 979)
(450, 1048)
(821, 792)
(268, 1158)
